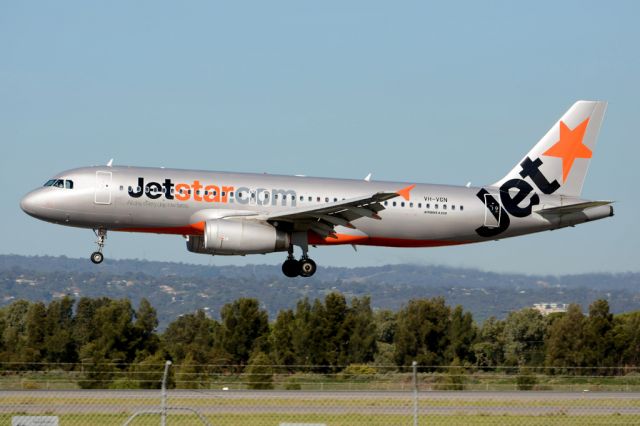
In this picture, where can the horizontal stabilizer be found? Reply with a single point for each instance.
(573, 208)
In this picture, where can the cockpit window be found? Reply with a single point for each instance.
(59, 183)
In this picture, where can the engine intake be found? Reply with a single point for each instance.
(238, 237)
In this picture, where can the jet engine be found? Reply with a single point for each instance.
(238, 237)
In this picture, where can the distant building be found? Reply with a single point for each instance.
(550, 308)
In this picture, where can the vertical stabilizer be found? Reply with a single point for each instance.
(564, 153)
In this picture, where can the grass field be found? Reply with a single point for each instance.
(340, 420)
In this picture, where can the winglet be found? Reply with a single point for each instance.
(368, 178)
(110, 163)
(405, 192)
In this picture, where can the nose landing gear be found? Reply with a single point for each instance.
(97, 256)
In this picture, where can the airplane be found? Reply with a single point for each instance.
(222, 213)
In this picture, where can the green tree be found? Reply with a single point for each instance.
(191, 334)
(14, 332)
(259, 372)
(626, 338)
(360, 328)
(423, 332)
(524, 332)
(462, 334)
(85, 325)
(244, 328)
(489, 347)
(565, 344)
(59, 344)
(599, 342)
(386, 324)
(282, 336)
(335, 332)
(36, 333)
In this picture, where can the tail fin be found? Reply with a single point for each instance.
(558, 163)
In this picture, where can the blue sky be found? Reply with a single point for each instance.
(413, 91)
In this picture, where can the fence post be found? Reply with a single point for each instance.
(163, 414)
(414, 364)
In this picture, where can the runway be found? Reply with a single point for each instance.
(314, 402)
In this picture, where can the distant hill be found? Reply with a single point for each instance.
(178, 288)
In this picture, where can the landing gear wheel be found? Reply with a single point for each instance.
(291, 268)
(97, 257)
(307, 267)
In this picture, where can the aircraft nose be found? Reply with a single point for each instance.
(32, 203)
(27, 204)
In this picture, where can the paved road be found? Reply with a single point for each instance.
(303, 402)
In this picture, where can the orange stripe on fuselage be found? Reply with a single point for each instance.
(315, 239)
(193, 229)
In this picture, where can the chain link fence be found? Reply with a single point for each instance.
(117, 394)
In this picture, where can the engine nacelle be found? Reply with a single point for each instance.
(238, 237)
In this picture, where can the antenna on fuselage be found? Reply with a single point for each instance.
(110, 163)
(468, 184)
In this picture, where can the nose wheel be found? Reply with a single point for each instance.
(97, 256)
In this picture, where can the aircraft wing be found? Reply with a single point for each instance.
(323, 218)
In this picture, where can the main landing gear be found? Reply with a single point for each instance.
(305, 267)
(97, 256)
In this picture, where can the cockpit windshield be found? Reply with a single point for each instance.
(60, 183)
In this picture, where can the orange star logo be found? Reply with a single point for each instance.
(570, 146)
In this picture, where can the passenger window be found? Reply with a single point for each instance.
(231, 194)
(326, 199)
(146, 189)
(335, 200)
(419, 205)
(318, 199)
(394, 204)
(266, 195)
(402, 204)
(435, 206)
(310, 199)
(223, 193)
(410, 204)
(461, 208)
(69, 184)
(444, 207)
(301, 198)
(428, 205)
(386, 203)
(453, 206)
(275, 197)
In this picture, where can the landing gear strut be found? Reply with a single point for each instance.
(97, 256)
(305, 267)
